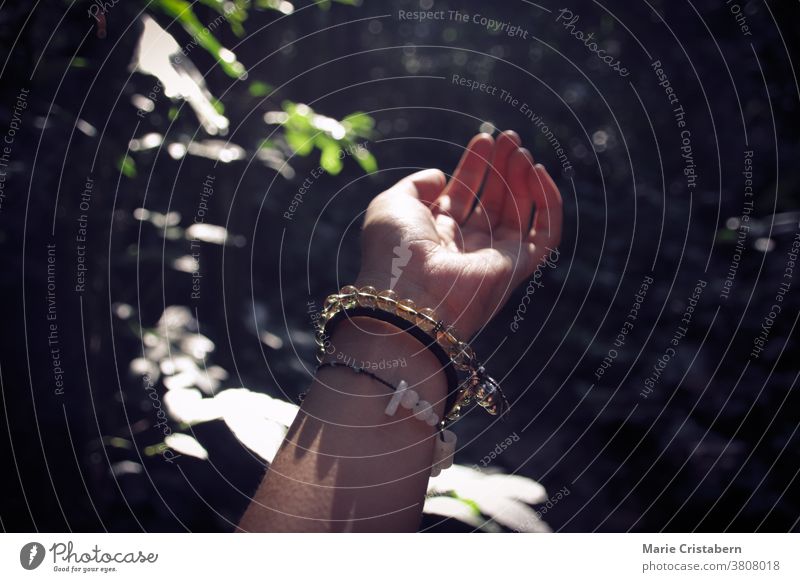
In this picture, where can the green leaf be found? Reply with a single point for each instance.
(235, 13)
(330, 160)
(259, 88)
(366, 160)
(359, 123)
(299, 117)
(182, 11)
(301, 143)
(305, 130)
(118, 442)
(267, 144)
(279, 5)
(153, 450)
(127, 166)
(474, 507)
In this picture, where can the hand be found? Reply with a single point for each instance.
(463, 264)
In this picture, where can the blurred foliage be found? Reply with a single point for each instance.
(259, 89)
(305, 130)
(235, 13)
(127, 166)
(182, 11)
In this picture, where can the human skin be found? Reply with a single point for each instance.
(345, 465)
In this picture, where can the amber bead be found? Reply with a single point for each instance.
(387, 299)
(348, 296)
(367, 296)
(426, 319)
(462, 355)
(407, 310)
(447, 337)
(469, 353)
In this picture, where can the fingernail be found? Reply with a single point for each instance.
(513, 135)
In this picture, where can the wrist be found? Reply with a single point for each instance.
(406, 287)
(392, 354)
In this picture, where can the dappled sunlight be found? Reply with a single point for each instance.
(257, 420)
(209, 233)
(454, 508)
(186, 445)
(159, 54)
(175, 351)
(505, 499)
(178, 353)
(212, 149)
(148, 141)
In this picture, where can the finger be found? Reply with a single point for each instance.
(549, 209)
(519, 201)
(425, 185)
(462, 189)
(490, 209)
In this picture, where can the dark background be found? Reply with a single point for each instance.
(714, 447)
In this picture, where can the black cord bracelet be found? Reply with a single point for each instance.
(416, 332)
(358, 369)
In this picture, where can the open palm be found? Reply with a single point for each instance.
(469, 241)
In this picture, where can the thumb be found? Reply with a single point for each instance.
(424, 185)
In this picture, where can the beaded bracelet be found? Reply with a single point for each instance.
(479, 387)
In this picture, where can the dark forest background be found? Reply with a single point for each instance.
(713, 447)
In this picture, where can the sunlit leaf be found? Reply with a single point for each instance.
(326, 4)
(330, 160)
(366, 160)
(506, 499)
(453, 507)
(299, 116)
(299, 142)
(306, 130)
(127, 166)
(159, 54)
(282, 6)
(118, 442)
(359, 123)
(186, 445)
(182, 11)
(267, 144)
(259, 88)
(235, 13)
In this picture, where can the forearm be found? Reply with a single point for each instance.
(345, 465)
